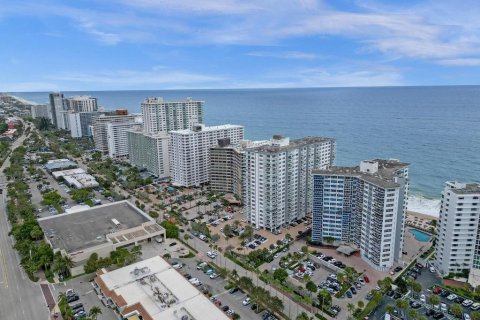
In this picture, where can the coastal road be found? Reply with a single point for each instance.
(20, 298)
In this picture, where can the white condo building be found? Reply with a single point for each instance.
(75, 125)
(189, 151)
(99, 126)
(41, 111)
(364, 206)
(58, 110)
(277, 184)
(81, 103)
(117, 137)
(149, 151)
(458, 238)
(159, 115)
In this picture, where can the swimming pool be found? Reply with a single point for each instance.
(420, 235)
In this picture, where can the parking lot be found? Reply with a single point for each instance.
(428, 280)
(48, 181)
(87, 296)
(217, 288)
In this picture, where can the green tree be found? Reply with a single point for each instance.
(227, 230)
(350, 307)
(171, 230)
(311, 286)
(324, 298)
(51, 198)
(302, 316)
(434, 299)
(416, 287)
(475, 315)
(247, 233)
(94, 312)
(81, 195)
(389, 308)
(456, 310)
(361, 304)
(305, 249)
(412, 314)
(92, 263)
(280, 274)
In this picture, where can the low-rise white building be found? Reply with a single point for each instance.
(100, 229)
(76, 178)
(152, 290)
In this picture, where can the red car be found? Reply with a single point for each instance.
(437, 290)
(366, 279)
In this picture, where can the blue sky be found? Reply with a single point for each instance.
(167, 44)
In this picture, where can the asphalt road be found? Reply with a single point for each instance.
(20, 299)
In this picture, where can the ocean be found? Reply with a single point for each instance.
(435, 129)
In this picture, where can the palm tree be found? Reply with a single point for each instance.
(389, 309)
(350, 307)
(434, 300)
(412, 314)
(94, 312)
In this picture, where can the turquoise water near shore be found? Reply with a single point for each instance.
(436, 129)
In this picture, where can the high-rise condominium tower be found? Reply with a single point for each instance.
(81, 103)
(189, 151)
(160, 115)
(278, 181)
(364, 206)
(458, 233)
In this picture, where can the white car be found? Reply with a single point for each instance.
(443, 307)
(177, 265)
(213, 276)
(466, 316)
(452, 297)
(201, 265)
(432, 269)
(247, 301)
(467, 303)
(475, 306)
(276, 255)
(192, 280)
(423, 299)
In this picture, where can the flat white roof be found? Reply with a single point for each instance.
(162, 291)
(207, 129)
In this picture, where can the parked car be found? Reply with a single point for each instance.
(443, 307)
(247, 301)
(73, 298)
(438, 315)
(233, 290)
(475, 306)
(452, 297)
(415, 304)
(348, 293)
(467, 303)
(423, 299)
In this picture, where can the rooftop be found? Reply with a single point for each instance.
(464, 188)
(59, 164)
(207, 129)
(156, 100)
(289, 145)
(153, 287)
(87, 228)
(384, 177)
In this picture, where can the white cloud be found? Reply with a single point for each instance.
(461, 62)
(157, 77)
(284, 55)
(28, 86)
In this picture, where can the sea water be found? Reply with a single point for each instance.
(435, 129)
